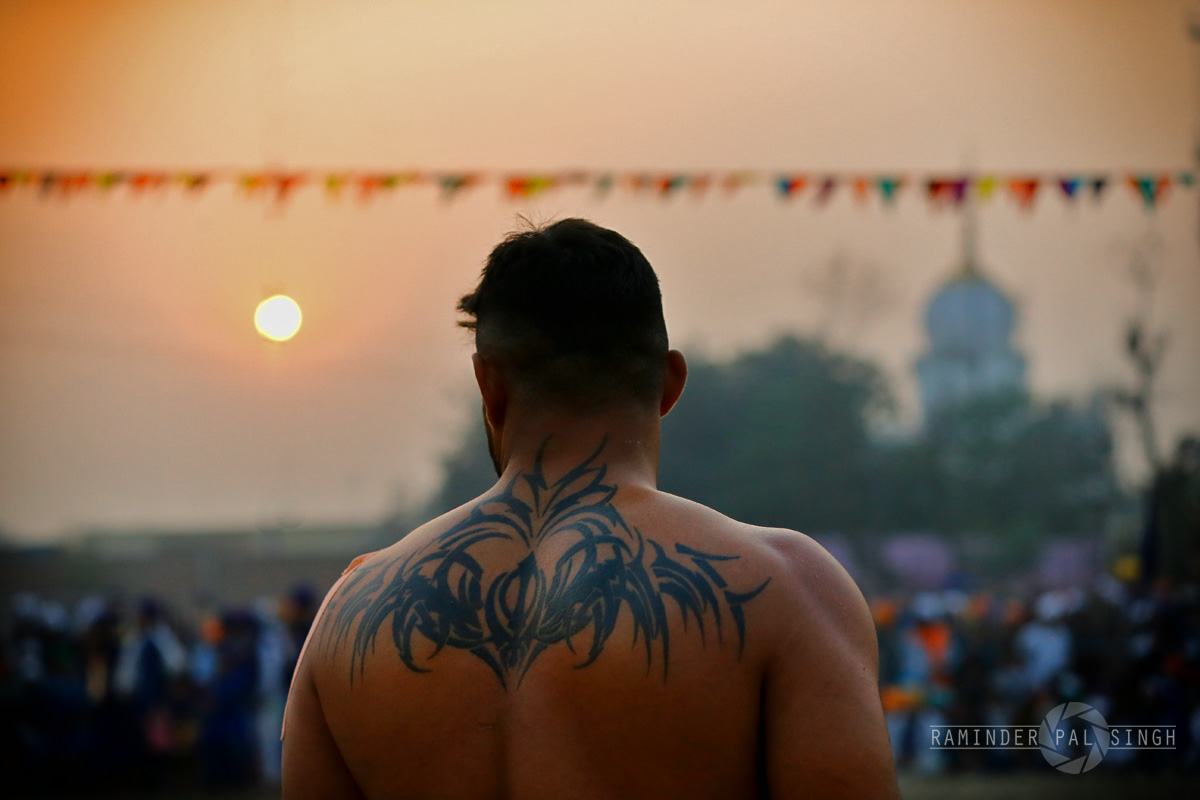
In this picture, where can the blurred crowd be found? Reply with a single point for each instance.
(99, 697)
(103, 698)
(953, 658)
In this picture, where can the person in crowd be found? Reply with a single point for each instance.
(71, 706)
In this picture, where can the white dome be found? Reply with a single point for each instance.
(970, 317)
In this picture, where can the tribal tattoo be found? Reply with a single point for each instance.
(442, 593)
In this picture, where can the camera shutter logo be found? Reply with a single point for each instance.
(1058, 748)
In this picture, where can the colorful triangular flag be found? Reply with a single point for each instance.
(889, 187)
(604, 183)
(1024, 190)
(334, 183)
(862, 189)
(108, 180)
(453, 183)
(636, 181)
(1151, 188)
(737, 180)
(985, 186)
(790, 185)
(828, 184)
(668, 184)
(947, 191)
(528, 185)
(192, 181)
(285, 183)
(1070, 186)
(250, 182)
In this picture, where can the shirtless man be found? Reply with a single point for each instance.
(574, 632)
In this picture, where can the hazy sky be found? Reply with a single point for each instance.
(134, 391)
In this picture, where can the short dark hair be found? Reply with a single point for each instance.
(573, 312)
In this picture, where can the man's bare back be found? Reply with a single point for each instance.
(565, 637)
(574, 632)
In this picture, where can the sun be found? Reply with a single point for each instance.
(277, 318)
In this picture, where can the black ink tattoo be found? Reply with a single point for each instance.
(442, 593)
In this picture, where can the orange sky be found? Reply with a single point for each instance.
(133, 390)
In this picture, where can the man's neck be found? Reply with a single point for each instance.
(625, 442)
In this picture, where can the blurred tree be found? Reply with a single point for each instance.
(777, 436)
(1003, 465)
(1145, 349)
(1179, 509)
(467, 471)
(781, 436)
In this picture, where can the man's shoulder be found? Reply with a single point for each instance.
(365, 570)
(401, 548)
(807, 573)
(794, 554)
(797, 558)
(830, 610)
(804, 575)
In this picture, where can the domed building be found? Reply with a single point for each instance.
(970, 325)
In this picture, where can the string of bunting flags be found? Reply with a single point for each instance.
(941, 190)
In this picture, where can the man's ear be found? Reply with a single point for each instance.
(674, 378)
(492, 388)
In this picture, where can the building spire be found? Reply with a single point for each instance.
(969, 267)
